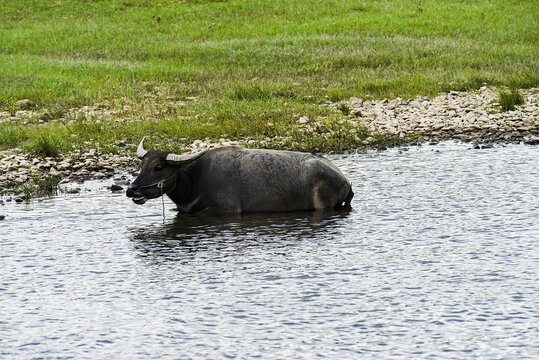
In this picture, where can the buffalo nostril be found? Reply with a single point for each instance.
(131, 190)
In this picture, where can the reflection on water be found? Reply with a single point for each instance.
(187, 234)
(438, 259)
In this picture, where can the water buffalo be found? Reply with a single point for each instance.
(232, 180)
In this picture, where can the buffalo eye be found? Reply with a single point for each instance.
(159, 167)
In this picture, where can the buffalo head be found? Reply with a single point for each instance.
(158, 173)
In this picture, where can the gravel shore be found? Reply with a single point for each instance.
(467, 116)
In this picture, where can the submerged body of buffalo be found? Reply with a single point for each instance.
(231, 180)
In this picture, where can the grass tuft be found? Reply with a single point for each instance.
(39, 187)
(47, 185)
(250, 93)
(10, 136)
(345, 109)
(508, 99)
(47, 143)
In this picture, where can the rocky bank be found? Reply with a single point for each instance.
(467, 116)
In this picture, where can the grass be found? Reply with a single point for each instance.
(47, 142)
(229, 68)
(508, 99)
(40, 186)
(35, 186)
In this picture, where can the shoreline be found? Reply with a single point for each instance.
(465, 116)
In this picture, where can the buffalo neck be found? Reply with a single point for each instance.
(182, 192)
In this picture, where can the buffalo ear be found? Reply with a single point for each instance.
(174, 159)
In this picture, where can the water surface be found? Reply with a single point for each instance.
(438, 259)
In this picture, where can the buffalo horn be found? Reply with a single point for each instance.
(140, 150)
(174, 159)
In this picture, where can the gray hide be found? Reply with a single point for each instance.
(232, 180)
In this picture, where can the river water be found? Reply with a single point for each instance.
(438, 259)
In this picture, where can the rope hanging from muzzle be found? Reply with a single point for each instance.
(160, 185)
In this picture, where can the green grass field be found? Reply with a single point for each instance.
(196, 69)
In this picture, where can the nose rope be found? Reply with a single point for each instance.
(160, 184)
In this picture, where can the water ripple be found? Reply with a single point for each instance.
(438, 259)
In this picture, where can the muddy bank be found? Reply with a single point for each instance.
(467, 116)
